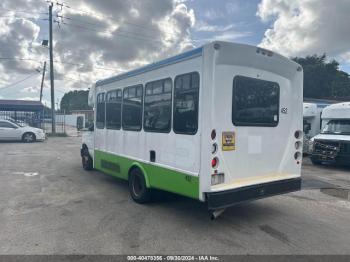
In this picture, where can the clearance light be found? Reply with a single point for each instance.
(298, 145)
(214, 162)
(213, 134)
(297, 156)
(298, 134)
(214, 148)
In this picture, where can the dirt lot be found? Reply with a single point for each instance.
(49, 205)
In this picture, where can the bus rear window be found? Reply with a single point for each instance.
(255, 102)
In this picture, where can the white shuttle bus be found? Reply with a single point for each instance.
(332, 145)
(221, 123)
(311, 123)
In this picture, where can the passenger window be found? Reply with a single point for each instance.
(255, 102)
(101, 109)
(157, 107)
(186, 95)
(132, 108)
(6, 125)
(113, 109)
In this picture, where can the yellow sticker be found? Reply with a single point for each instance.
(228, 141)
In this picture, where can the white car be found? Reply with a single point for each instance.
(10, 130)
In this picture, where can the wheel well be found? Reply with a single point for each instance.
(28, 132)
(139, 167)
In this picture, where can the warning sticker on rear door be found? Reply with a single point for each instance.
(228, 141)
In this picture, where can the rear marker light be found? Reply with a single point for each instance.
(298, 134)
(214, 162)
(298, 145)
(213, 134)
(214, 148)
(297, 156)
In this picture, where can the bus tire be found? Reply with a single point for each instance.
(137, 187)
(86, 160)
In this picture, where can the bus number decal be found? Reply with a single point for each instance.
(228, 141)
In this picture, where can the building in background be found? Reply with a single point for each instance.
(89, 116)
(23, 111)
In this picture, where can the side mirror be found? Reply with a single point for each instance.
(307, 128)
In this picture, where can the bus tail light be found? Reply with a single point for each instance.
(214, 162)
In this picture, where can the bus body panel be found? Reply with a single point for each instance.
(261, 154)
(177, 162)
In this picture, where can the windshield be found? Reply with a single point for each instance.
(337, 127)
(13, 121)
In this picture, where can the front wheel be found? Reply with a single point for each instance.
(86, 160)
(137, 187)
(28, 137)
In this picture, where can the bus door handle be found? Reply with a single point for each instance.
(152, 156)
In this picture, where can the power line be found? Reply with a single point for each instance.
(119, 34)
(96, 67)
(22, 11)
(59, 62)
(19, 59)
(107, 31)
(19, 17)
(18, 82)
(63, 4)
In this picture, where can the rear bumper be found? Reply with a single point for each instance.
(223, 199)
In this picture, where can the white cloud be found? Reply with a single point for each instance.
(302, 27)
(95, 36)
(30, 89)
(203, 26)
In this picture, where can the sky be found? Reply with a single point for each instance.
(95, 39)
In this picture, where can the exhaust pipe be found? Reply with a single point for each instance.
(216, 213)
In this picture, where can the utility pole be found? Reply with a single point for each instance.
(42, 82)
(53, 117)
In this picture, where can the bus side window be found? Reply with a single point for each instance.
(132, 108)
(186, 95)
(157, 106)
(101, 110)
(113, 109)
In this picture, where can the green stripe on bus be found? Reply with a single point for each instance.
(156, 177)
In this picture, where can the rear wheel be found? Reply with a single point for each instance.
(137, 187)
(28, 137)
(86, 160)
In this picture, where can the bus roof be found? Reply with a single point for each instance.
(171, 60)
(339, 110)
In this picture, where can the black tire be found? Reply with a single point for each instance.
(86, 160)
(28, 137)
(137, 187)
(315, 161)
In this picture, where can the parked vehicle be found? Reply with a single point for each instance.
(10, 130)
(311, 123)
(221, 124)
(332, 145)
